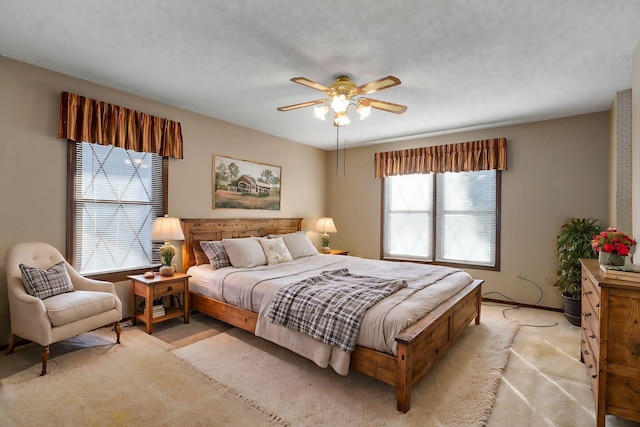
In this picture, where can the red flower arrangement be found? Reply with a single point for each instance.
(612, 240)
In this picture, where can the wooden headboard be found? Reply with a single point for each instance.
(196, 230)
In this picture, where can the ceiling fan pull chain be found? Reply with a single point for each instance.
(337, 149)
(344, 158)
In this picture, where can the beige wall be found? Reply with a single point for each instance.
(557, 169)
(33, 162)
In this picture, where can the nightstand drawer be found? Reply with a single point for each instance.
(161, 289)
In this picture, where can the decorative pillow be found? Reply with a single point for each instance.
(244, 252)
(215, 252)
(298, 244)
(199, 255)
(46, 283)
(275, 250)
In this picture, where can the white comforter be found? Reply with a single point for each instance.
(254, 288)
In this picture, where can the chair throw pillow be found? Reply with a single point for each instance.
(46, 283)
(214, 250)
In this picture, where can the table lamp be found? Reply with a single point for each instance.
(325, 226)
(166, 228)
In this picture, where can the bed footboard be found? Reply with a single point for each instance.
(421, 345)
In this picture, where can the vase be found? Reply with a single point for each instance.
(610, 258)
(167, 270)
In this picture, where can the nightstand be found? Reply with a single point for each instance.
(147, 290)
(338, 252)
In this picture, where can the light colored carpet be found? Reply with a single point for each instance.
(459, 391)
(545, 384)
(138, 382)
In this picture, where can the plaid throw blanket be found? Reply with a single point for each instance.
(330, 307)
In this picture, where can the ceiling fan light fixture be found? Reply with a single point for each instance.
(339, 103)
(341, 119)
(321, 111)
(363, 108)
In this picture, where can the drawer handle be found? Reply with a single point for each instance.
(586, 352)
(588, 292)
(170, 288)
(598, 305)
(586, 314)
(592, 336)
(594, 376)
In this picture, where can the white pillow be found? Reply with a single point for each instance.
(298, 244)
(275, 250)
(244, 252)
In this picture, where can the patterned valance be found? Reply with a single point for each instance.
(462, 157)
(87, 120)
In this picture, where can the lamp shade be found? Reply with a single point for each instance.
(326, 225)
(166, 228)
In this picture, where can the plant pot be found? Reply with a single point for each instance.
(572, 309)
(167, 270)
(610, 258)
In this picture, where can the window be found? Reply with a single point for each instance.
(115, 196)
(448, 218)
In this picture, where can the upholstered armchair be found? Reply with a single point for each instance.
(45, 308)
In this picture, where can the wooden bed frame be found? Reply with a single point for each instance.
(420, 346)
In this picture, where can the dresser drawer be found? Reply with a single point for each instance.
(162, 289)
(591, 294)
(591, 363)
(593, 340)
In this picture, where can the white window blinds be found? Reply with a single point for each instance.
(448, 218)
(118, 194)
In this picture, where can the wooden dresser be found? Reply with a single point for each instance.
(610, 342)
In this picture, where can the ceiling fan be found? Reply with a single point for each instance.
(342, 93)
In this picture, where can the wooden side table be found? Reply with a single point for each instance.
(156, 287)
(338, 252)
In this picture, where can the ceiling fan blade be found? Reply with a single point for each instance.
(310, 83)
(376, 85)
(385, 106)
(301, 105)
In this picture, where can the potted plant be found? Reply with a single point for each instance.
(574, 242)
(612, 246)
(167, 253)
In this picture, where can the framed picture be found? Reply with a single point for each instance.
(242, 184)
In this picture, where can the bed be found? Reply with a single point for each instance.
(416, 347)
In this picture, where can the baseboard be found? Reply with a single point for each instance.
(499, 301)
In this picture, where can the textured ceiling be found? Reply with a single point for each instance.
(463, 64)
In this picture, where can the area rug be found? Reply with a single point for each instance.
(459, 391)
(138, 382)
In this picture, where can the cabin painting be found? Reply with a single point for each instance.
(242, 184)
